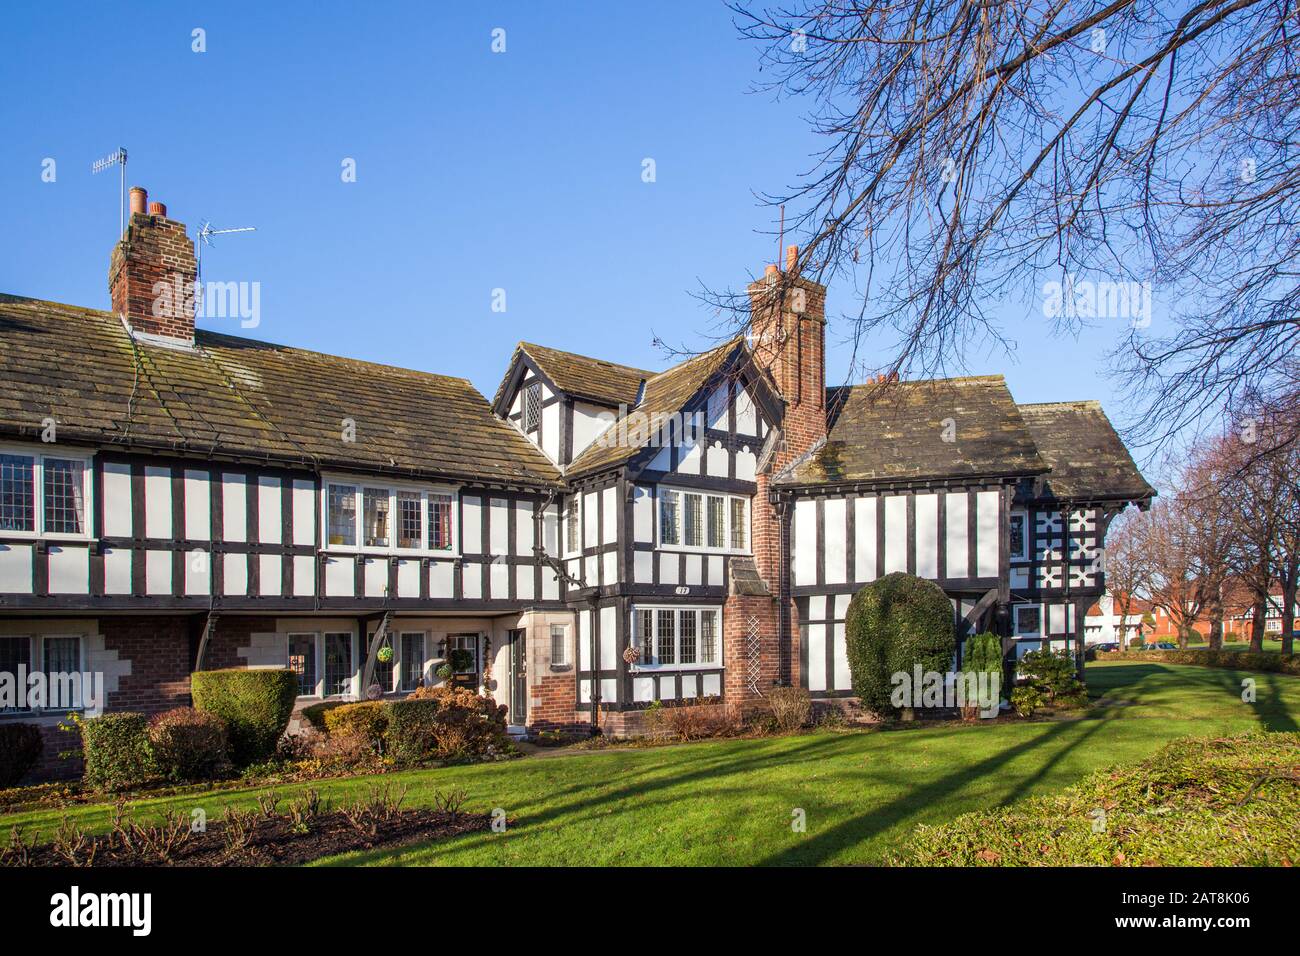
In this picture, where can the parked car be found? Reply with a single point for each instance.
(1090, 653)
(1159, 646)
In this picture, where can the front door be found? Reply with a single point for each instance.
(519, 677)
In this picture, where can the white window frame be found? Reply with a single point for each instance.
(38, 492)
(318, 644)
(36, 664)
(395, 636)
(1023, 554)
(1015, 620)
(574, 507)
(360, 484)
(533, 387)
(704, 496)
(564, 662)
(652, 662)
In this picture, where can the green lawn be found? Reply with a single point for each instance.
(1273, 644)
(731, 802)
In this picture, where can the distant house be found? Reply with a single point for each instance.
(594, 539)
(1238, 614)
(1103, 624)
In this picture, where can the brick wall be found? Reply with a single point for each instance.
(551, 703)
(737, 615)
(154, 249)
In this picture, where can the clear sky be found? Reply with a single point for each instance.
(475, 171)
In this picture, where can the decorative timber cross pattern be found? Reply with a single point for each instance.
(753, 651)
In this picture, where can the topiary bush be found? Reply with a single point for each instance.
(893, 625)
(366, 721)
(255, 704)
(21, 747)
(116, 751)
(189, 745)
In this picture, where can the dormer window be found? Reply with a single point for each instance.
(533, 407)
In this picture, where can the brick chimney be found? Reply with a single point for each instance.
(152, 272)
(788, 338)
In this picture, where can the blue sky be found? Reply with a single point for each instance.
(475, 171)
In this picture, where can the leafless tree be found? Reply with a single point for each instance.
(978, 151)
(1128, 567)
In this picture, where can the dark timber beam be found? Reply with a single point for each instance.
(372, 655)
(209, 626)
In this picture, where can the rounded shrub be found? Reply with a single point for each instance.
(116, 751)
(21, 747)
(188, 744)
(255, 704)
(315, 713)
(444, 723)
(893, 625)
(365, 721)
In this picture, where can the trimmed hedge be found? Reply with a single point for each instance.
(21, 747)
(315, 714)
(255, 704)
(116, 750)
(412, 733)
(365, 720)
(444, 723)
(893, 624)
(189, 745)
(1199, 801)
(1268, 661)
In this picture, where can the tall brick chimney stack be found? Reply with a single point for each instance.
(152, 273)
(788, 338)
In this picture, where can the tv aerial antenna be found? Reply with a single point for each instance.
(115, 158)
(204, 235)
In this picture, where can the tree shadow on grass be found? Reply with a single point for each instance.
(825, 845)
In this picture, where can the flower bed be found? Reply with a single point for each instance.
(307, 830)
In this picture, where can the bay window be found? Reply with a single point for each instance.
(691, 520)
(388, 519)
(44, 494)
(684, 637)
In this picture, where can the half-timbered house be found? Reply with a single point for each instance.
(596, 538)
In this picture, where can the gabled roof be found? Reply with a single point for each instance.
(242, 398)
(1087, 458)
(665, 394)
(581, 376)
(899, 431)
